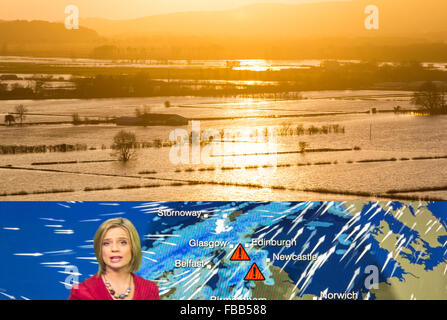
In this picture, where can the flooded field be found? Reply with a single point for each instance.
(249, 64)
(199, 107)
(244, 64)
(381, 155)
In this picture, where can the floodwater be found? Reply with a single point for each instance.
(199, 107)
(249, 64)
(244, 64)
(243, 169)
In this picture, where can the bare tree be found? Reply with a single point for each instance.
(303, 146)
(430, 98)
(143, 112)
(38, 86)
(21, 111)
(76, 118)
(124, 144)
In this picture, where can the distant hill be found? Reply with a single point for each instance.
(398, 18)
(409, 30)
(32, 32)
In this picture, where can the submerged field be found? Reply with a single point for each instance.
(382, 155)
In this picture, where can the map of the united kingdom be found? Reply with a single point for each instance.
(236, 250)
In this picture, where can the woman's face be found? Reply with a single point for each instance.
(116, 249)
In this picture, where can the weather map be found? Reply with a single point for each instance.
(236, 250)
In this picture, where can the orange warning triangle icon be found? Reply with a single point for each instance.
(240, 254)
(254, 273)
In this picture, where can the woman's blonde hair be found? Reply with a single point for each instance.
(135, 245)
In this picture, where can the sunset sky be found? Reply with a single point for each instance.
(53, 10)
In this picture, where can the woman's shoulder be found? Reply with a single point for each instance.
(85, 290)
(144, 282)
(146, 289)
(93, 280)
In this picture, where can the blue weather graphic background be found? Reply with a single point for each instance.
(47, 246)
